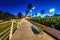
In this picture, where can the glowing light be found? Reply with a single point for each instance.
(52, 10)
(33, 8)
(30, 10)
(38, 14)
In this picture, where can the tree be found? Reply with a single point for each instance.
(29, 8)
(42, 11)
(56, 15)
(1, 15)
(19, 15)
(36, 14)
(8, 16)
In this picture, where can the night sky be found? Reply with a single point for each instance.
(16, 6)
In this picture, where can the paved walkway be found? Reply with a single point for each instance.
(24, 32)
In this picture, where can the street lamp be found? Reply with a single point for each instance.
(33, 8)
(52, 10)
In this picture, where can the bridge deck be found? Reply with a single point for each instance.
(24, 32)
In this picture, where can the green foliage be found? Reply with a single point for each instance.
(53, 22)
(42, 11)
(4, 26)
(6, 16)
(1, 15)
(19, 15)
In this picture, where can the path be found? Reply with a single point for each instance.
(24, 32)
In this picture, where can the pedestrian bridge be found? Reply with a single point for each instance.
(24, 32)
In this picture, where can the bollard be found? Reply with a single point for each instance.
(11, 31)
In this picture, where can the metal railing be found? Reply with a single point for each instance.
(7, 34)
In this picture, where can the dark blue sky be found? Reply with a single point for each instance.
(15, 6)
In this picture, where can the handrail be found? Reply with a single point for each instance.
(4, 31)
(5, 22)
(4, 35)
(7, 32)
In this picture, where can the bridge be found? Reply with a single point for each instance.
(24, 32)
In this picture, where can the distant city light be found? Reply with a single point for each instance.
(52, 10)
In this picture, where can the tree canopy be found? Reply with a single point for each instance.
(1, 15)
(42, 11)
(20, 15)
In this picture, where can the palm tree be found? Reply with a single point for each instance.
(29, 6)
(36, 14)
(42, 12)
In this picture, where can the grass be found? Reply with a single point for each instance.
(4, 26)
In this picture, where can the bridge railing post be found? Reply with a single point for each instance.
(11, 31)
(18, 24)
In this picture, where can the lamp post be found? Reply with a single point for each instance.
(52, 10)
